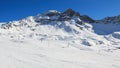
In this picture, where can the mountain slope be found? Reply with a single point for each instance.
(57, 40)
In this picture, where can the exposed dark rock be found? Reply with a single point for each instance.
(6, 26)
(77, 14)
(86, 18)
(57, 16)
(42, 20)
(63, 18)
(79, 22)
(69, 12)
(52, 14)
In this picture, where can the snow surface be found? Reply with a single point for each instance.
(105, 29)
(54, 54)
(57, 44)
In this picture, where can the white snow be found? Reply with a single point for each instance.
(105, 29)
(58, 45)
(32, 53)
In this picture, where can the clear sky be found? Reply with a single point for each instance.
(18, 9)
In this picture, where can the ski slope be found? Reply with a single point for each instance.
(55, 54)
(51, 43)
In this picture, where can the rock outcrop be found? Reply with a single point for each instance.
(87, 19)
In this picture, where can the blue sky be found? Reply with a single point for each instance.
(18, 9)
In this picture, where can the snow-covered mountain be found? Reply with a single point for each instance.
(114, 19)
(60, 40)
(107, 25)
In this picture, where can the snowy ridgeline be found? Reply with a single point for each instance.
(63, 26)
(59, 40)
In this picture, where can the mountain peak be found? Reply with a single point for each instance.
(53, 15)
(70, 12)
